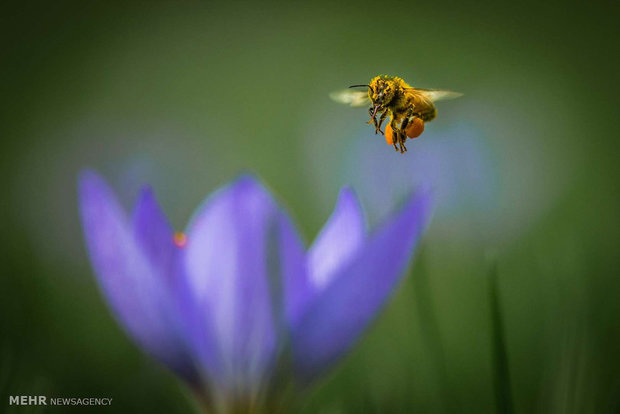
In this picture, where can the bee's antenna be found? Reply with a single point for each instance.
(355, 86)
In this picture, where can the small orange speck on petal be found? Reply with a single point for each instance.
(180, 239)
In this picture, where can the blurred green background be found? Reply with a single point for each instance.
(186, 95)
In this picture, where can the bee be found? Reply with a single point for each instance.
(409, 108)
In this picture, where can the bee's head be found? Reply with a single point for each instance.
(381, 91)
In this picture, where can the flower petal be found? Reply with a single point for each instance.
(132, 286)
(340, 313)
(153, 232)
(227, 267)
(298, 288)
(339, 240)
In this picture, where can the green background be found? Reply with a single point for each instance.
(186, 95)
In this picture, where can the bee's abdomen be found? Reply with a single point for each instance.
(423, 108)
(427, 114)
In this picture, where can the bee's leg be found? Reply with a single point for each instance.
(373, 120)
(395, 127)
(408, 118)
(403, 127)
(395, 139)
(381, 119)
(398, 136)
(402, 137)
(401, 142)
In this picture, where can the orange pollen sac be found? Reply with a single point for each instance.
(180, 239)
(413, 130)
(388, 135)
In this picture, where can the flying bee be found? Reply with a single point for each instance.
(409, 108)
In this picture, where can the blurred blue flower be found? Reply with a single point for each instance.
(223, 303)
(455, 162)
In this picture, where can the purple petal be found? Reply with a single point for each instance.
(298, 288)
(340, 313)
(155, 236)
(227, 268)
(135, 289)
(339, 240)
(153, 232)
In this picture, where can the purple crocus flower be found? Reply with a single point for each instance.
(237, 296)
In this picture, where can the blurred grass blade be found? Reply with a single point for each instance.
(432, 336)
(501, 371)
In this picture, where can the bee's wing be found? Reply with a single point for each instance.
(351, 97)
(437, 94)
